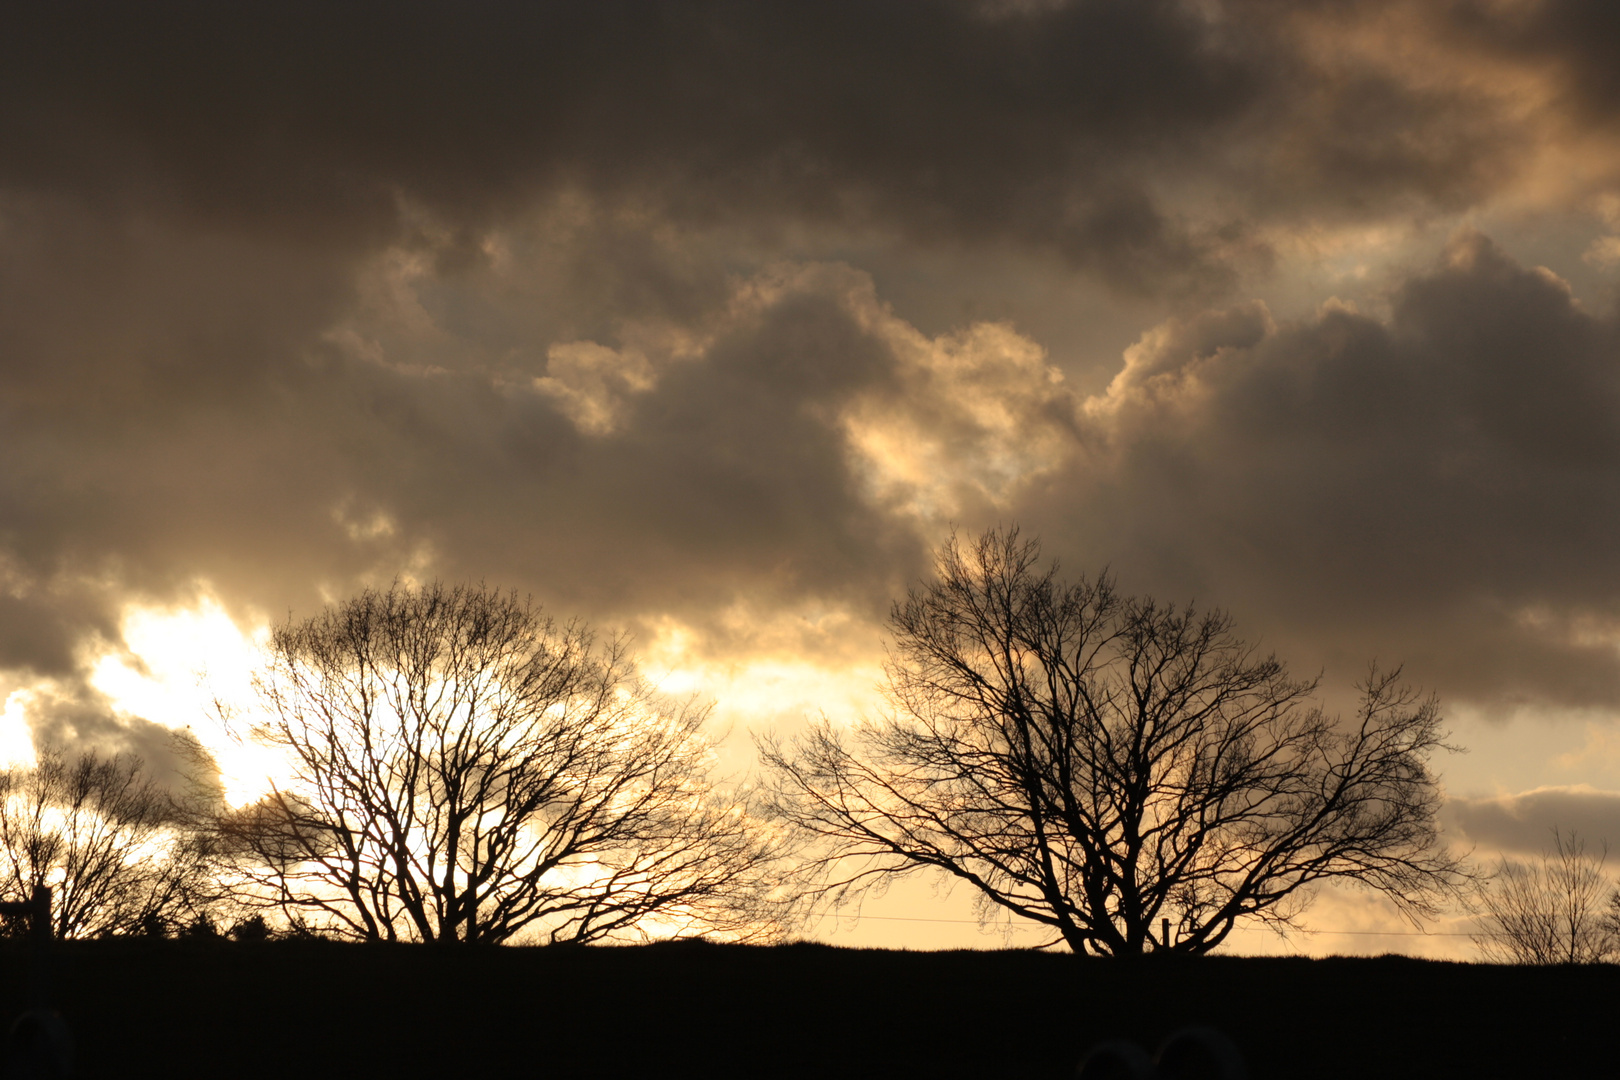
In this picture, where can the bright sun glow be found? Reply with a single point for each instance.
(178, 663)
(16, 746)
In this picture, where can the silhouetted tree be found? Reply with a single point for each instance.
(1098, 763)
(109, 840)
(463, 769)
(1561, 909)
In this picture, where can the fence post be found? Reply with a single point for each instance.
(42, 934)
(37, 909)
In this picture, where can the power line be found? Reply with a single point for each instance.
(906, 918)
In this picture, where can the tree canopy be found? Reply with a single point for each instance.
(1561, 909)
(464, 769)
(109, 839)
(1132, 775)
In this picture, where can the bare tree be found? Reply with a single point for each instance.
(463, 769)
(1099, 764)
(109, 840)
(1562, 909)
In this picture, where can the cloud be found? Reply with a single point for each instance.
(657, 440)
(301, 117)
(1523, 823)
(791, 434)
(669, 439)
(71, 715)
(590, 383)
(1442, 487)
(1577, 38)
(1152, 142)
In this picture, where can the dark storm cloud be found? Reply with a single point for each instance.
(1442, 488)
(151, 389)
(730, 476)
(928, 116)
(1067, 126)
(38, 636)
(83, 721)
(181, 411)
(1523, 824)
(1578, 39)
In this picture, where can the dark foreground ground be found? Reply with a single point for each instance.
(311, 1009)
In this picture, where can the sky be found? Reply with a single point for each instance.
(707, 321)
